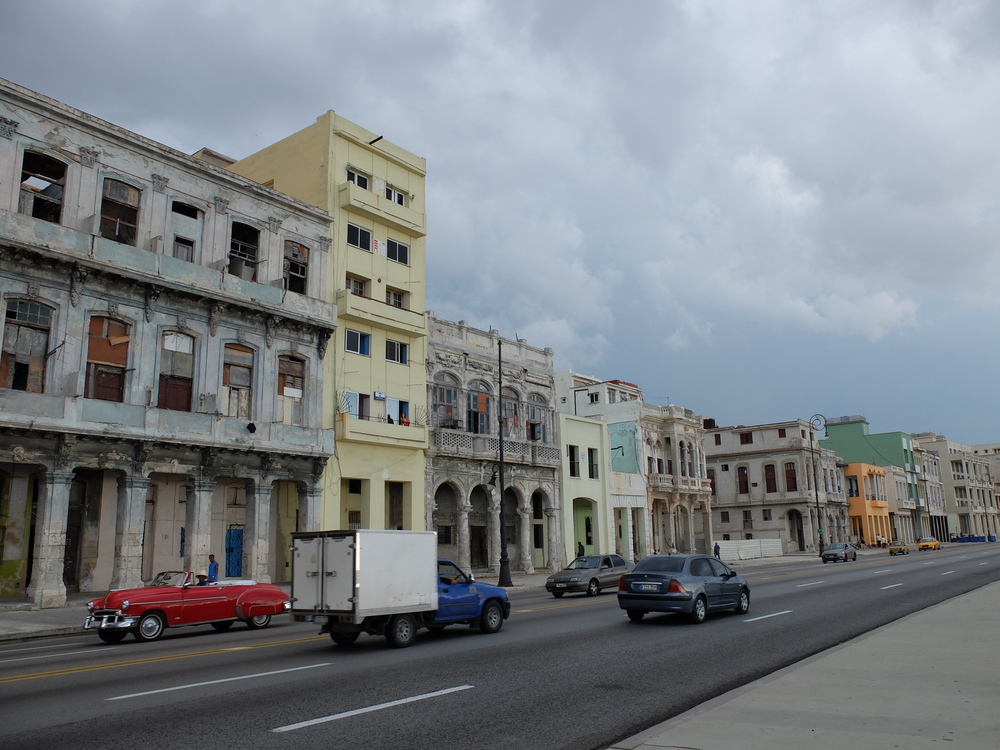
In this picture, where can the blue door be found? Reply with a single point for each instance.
(234, 552)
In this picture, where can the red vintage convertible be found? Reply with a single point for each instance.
(175, 598)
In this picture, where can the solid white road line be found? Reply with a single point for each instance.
(764, 617)
(985, 563)
(892, 586)
(32, 648)
(47, 656)
(949, 572)
(813, 583)
(887, 570)
(216, 682)
(379, 707)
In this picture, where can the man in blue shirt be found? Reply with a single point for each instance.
(213, 569)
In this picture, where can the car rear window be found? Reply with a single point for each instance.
(660, 565)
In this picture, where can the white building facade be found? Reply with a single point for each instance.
(773, 481)
(163, 338)
(466, 406)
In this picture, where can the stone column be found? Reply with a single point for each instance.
(690, 530)
(462, 534)
(129, 528)
(258, 530)
(670, 543)
(47, 588)
(525, 539)
(197, 524)
(706, 521)
(310, 506)
(493, 532)
(555, 561)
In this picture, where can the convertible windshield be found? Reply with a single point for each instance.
(169, 578)
(669, 564)
(585, 563)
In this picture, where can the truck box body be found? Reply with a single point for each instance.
(364, 572)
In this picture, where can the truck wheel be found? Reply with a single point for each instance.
(112, 636)
(150, 627)
(344, 639)
(260, 621)
(401, 632)
(491, 619)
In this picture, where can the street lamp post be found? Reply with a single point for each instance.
(504, 560)
(817, 421)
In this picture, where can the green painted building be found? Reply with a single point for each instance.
(852, 441)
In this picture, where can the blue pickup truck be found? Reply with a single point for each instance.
(387, 583)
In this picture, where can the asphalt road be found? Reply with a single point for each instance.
(568, 673)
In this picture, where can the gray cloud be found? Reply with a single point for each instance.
(692, 196)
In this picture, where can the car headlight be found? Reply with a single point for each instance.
(125, 606)
(286, 605)
(575, 579)
(551, 580)
(90, 606)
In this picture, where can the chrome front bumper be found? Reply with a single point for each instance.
(110, 622)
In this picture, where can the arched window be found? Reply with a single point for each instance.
(107, 359)
(538, 418)
(237, 381)
(25, 345)
(791, 481)
(477, 408)
(291, 389)
(743, 480)
(770, 478)
(120, 211)
(510, 413)
(444, 402)
(176, 371)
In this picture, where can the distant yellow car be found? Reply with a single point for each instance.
(899, 548)
(928, 542)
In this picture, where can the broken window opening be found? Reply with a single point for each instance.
(291, 389)
(237, 381)
(243, 246)
(120, 211)
(107, 358)
(296, 267)
(43, 180)
(25, 346)
(176, 372)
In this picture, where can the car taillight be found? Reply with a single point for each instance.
(621, 584)
(675, 587)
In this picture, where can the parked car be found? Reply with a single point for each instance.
(693, 585)
(839, 551)
(589, 574)
(928, 542)
(175, 598)
(899, 548)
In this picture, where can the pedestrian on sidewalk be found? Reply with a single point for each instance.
(718, 551)
(213, 569)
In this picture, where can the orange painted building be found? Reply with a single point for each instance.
(867, 502)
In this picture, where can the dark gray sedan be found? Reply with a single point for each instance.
(588, 574)
(693, 585)
(839, 551)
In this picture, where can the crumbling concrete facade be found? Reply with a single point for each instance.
(163, 336)
(465, 409)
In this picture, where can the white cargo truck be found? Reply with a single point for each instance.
(387, 583)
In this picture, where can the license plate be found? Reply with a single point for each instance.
(560, 585)
(648, 587)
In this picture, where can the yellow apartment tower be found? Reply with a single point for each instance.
(375, 383)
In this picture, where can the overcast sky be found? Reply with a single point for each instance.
(757, 210)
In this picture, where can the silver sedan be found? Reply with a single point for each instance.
(588, 574)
